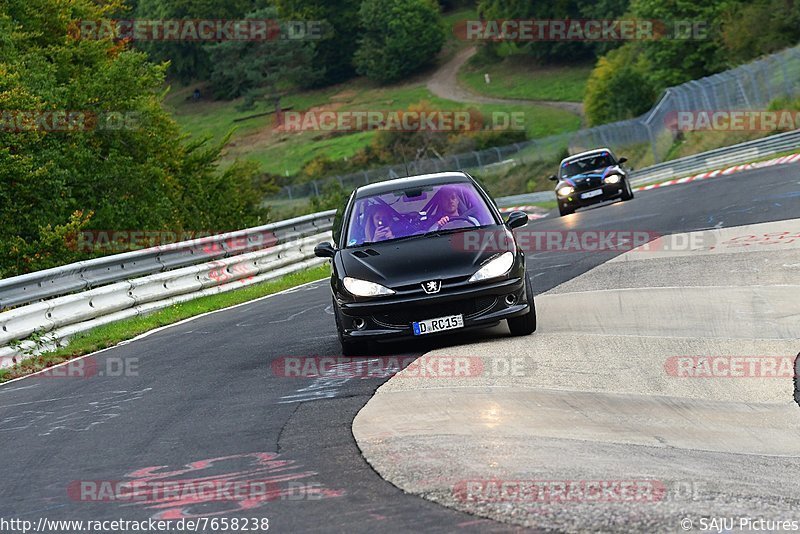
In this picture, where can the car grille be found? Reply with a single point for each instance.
(405, 316)
(446, 283)
(588, 183)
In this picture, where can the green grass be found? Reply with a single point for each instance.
(216, 117)
(286, 152)
(110, 334)
(522, 78)
(549, 205)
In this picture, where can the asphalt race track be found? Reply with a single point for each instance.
(202, 400)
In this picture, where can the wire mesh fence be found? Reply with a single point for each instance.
(748, 87)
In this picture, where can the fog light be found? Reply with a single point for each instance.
(511, 300)
(359, 323)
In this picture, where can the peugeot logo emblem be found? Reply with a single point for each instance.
(433, 286)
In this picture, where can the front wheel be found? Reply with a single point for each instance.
(627, 193)
(565, 211)
(525, 324)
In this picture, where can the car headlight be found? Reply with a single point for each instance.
(565, 191)
(363, 288)
(612, 178)
(494, 268)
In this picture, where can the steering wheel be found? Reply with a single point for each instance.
(446, 226)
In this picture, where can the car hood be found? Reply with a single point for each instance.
(590, 176)
(419, 259)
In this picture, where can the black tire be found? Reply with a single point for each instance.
(565, 211)
(525, 324)
(627, 193)
(349, 348)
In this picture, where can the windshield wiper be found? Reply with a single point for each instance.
(388, 240)
(447, 231)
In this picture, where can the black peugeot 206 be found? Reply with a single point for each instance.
(426, 255)
(591, 177)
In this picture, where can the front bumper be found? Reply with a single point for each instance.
(610, 192)
(481, 305)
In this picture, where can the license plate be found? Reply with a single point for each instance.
(591, 194)
(439, 324)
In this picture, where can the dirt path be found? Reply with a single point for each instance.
(444, 83)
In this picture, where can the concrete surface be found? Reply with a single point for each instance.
(603, 392)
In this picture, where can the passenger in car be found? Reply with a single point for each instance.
(379, 224)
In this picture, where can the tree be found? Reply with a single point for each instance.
(398, 38)
(333, 54)
(679, 60)
(260, 69)
(555, 51)
(187, 60)
(618, 87)
(753, 29)
(140, 173)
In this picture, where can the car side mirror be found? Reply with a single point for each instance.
(324, 250)
(516, 219)
(620, 161)
(553, 178)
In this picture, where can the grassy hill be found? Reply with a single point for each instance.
(285, 153)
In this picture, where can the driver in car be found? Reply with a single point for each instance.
(449, 208)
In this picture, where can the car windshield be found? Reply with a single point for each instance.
(590, 163)
(417, 211)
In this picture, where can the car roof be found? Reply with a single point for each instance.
(586, 154)
(379, 188)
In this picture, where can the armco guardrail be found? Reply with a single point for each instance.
(101, 271)
(104, 290)
(730, 155)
